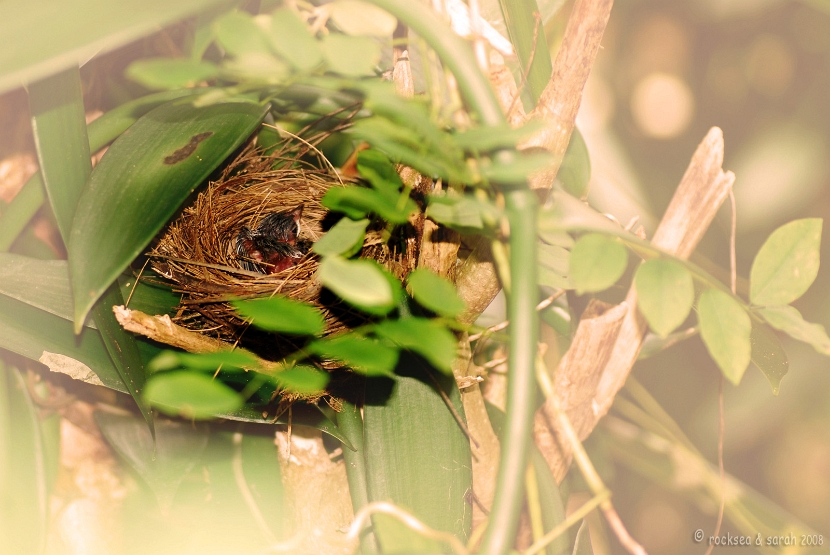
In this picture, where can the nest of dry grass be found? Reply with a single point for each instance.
(197, 253)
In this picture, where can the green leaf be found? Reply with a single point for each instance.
(486, 139)
(362, 19)
(554, 258)
(25, 467)
(356, 202)
(596, 263)
(140, 182)
(378, 170)
(401, 432)
(436, 293)
(52, 36)
(227, 360)
(358, 282)
(787, 263)
(239, 34)
(789, 320)
(427, 338)
(514, 167)
(665, 294)
(293, 41)
(171, 73)
(466, 214)
(582, 545)
(305, 380)
(190, 395)
(725, 328)
(527, 34)
(282, 315)
(361, 354)
(575, 171)
(345, 237)
(351, 56)
(768, 355)
(162, 464)
(59, 127)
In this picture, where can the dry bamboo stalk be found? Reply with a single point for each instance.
(163, 330)
(562, 96)
(701, 192)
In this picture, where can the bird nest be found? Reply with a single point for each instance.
(199, 251)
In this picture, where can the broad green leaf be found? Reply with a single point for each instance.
(162, 463)
(293, 41)
(789, 320)
(436, 293)
(190, 395)
(59, 127)
(239, 34)
(725, 328)
(768, 355)
(787, 263)
(427, 338)
(361, 354)
(362, 19)
(303, 379)
(345, 237)
(227, 360)
(282, 315)
(665, 294)
(575, 171)
(358, 282)
(403, 465)
(164, 157)
(25, 467)
(170, 73)
(596, 263)
(351, 56)
(46, 37)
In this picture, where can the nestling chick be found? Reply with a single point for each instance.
(273, 246)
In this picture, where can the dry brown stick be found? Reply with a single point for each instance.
(163, 330)
(561, 98)
(701, 192)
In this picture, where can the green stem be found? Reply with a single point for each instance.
(350, 423)
(524, 328)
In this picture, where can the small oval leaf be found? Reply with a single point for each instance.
(345, 237)
(725, 328)
(293, 41)
(351, 56)
(358, 282)
(362, 19)
(665, 294)
(140, 183)
(227, 360)
(768, 355)
(787, 263)
(596, 263)
(435, 293)
(425, 337)
(190, 395)
(169, 73)
(305, 380)
(361, 354)
(789, 320)
(282, 315)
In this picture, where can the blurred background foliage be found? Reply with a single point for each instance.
(668, 71)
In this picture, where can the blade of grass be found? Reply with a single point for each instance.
(527, 33)
(59, 127)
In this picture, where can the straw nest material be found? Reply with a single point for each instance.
(198, 250)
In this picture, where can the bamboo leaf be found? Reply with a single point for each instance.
(665, 294)
(596, 263)
(787, 263)
(143, 178)
(725, 328)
